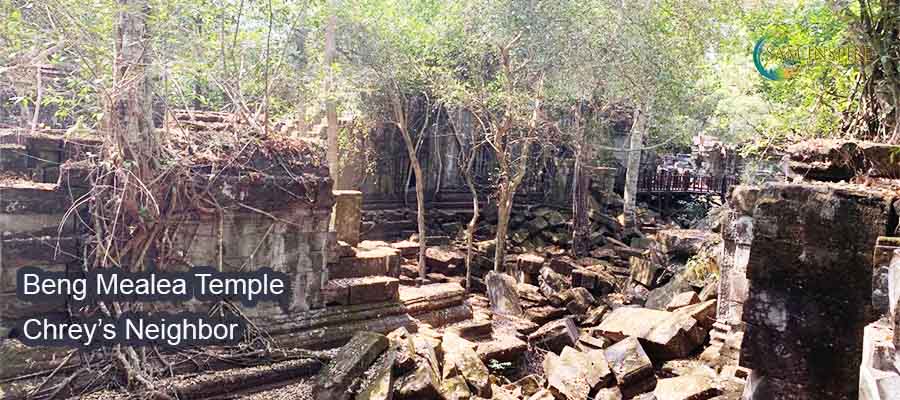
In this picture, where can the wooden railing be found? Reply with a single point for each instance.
(684, 182)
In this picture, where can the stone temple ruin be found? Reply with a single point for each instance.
(793, 294)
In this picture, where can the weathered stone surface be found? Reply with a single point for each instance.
(530, 263)
(595, 315)
(380, 386)
(543, 394)
(836, 160)
(574, 373)
(660, 297)
(348, 364)
(612, 393)
(503, 348)
(347, 215)
(460, 355)
(419, 384)
(587, 341)
(438, 259)
(688, 387)
(556, 335)
(384, 261)
(519, 324)
(666, 335)
(879, 376)
(528, 385)
(594, 279)
(501, 290)
(474, 329)
(580, 301)
(455, 388)
(704, 313)
(543, 314)
(563, 265)
(628, 361)
(530, 293)
(551, 282)
(682, 243)
(683, 299)
(644, 271)
(810, 270)
(370, 289)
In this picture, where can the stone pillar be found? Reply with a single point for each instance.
(810, 285)
(347, 214)
(733, 283)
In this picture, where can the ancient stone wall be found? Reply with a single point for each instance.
(810, 284)
(271, 228)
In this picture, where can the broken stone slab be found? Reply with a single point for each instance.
(594, 279)
(688, 387)
(879, 376)
(527, 386)
(574, 374)
(380, 386)
(455, 388)
(552, 282)
(384, 261)
(501, 290)
(666, 335)
(644, 271)
(349, 363)
(521, 325)
(628, 361)
(595, 315)
(682, 300)
(530, 293)
(407, 249)
(839, 160)
(682, 243)
(563, 265)
(587, 342)
(419, 384)
(543, 314)
(555, 335)
(459, 354)
(580, 301)
(503, 348)
(704, 313)
(439, 259)
(542, 394)
(660, 297)
(369, 289)
(347, 215)
(471, 330)
(530, 263)
(499, 393)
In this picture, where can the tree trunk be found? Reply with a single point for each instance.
(400, 115)
(633, 167)
(581, 229)
(504, 208)
(130, 121)
(330, 107)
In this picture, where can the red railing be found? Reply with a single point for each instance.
(684, 182)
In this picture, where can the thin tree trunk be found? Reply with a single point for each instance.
(504, 208)
(470, 229)
(330, 107)
(400, 116)
(633, 167)
(37, 102)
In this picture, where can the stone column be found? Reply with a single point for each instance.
(347, 214)
(810, 285)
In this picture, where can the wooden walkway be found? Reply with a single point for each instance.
(686, 182)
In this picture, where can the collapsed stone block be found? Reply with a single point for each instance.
(665, 335)
(349, 363)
